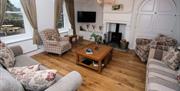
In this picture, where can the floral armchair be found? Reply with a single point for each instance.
(161, 42)
(53, 43)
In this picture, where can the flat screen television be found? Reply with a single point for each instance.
(86, 16)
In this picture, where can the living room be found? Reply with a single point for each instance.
(89, 45)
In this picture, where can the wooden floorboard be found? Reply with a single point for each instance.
(125, 72)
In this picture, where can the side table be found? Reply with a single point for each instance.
(74, 38)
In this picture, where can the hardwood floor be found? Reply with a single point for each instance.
(125, 72)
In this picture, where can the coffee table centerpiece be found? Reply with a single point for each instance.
(97, 59)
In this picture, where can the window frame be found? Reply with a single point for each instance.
(20, 37)
(67, 26)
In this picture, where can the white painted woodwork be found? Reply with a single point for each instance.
(156, 17)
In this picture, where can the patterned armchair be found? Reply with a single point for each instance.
(53, 43)
(142, 48)
(161, 42)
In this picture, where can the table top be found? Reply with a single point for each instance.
(98, 55)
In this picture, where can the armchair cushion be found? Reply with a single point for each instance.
(142, 41)
(64, 38)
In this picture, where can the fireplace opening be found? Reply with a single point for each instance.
(115, 34)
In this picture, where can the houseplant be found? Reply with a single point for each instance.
(97, 38)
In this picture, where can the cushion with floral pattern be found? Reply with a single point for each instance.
(18, 71)
(32, 78)
(6, 56)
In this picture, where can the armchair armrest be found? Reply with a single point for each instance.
(142, 41)
(70, 82)
(64, 38)
(17, 50)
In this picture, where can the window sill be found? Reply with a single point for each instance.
(15, 38)
(62, 30)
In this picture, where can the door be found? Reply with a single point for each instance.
(156, 17)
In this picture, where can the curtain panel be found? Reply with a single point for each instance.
(57, 12)
(29, 7)
(71, 14)
(3, 4)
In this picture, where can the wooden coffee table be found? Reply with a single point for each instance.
(102, 54)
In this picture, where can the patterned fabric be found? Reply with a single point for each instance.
(18, 71)
(8, 83)
(51, 34)
(32, 79)
(42, 80)
(160, 77)
(157, 53)
(142, 48)
(161, 42)
(53, 43)
(7, 57)
(172, 59)
(178, 76)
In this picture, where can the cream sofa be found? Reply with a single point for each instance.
(159, 77)
(69, 82)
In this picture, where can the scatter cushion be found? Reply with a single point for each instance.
(33, 79)
(172, 59)
(19, 71)
(7, 57)
(178, 76)
(157, 53)
(42, 80)
(8, 83)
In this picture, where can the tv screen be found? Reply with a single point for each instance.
(86, 16)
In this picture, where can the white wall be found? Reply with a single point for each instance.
(88, 5)
(45, 14)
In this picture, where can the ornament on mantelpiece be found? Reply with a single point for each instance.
(117, 7)
(106, 1)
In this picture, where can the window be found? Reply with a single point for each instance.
(61, 20)
(13, 21)
(63, 23)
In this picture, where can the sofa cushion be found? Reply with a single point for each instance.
(8, 83)
(178, 76)
(160, 77)
(172, 59)
(37, 80)
(24, 60)
(7, 57)
(23, 70)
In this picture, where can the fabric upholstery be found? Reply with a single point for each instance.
(7, 57)
(56, 44)
(17, 50)
(142, 48)
(161, 42)
(29, 7)
(71, 81)
(159, 77)
(8, 83)
(178, 76)
(67, 83)
(172, 59)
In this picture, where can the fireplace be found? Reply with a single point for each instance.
(115, 33)
(116, 36)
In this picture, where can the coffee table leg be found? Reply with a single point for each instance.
(77, 60)
(100, 66)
